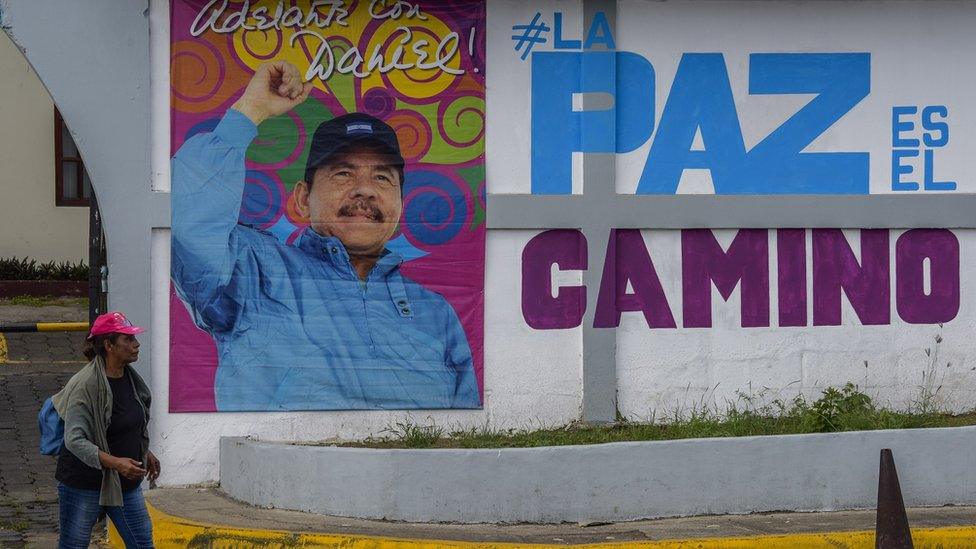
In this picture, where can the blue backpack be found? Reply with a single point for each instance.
(52, 429)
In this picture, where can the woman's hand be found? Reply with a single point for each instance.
(153, 467)
(129, 468)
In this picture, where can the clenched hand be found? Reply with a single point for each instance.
(275, 88)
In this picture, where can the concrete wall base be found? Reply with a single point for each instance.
(615, 482)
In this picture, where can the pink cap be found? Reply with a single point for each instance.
(113, 322)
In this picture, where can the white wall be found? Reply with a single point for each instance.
(30, 223)
(533, 377)
(662, 371)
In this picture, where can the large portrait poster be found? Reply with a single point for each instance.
(328, 216)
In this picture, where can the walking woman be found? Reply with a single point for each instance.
(105, 407)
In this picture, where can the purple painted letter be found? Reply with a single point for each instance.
(563, 247)
(627, 260)
(791, 268)
(703, 262)
(941, 248)
(868, 285)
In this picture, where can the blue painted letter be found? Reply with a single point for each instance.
(558, 131)
(776, 165)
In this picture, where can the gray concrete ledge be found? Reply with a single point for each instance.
(614, 482)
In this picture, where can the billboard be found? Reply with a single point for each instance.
(328, 205)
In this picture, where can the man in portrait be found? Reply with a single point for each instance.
(329, 321)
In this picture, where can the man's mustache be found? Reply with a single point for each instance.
(349, 210)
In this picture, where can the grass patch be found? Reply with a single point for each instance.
(843, 409)
(44, 301)
(412, 435)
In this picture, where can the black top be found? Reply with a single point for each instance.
(124, 436)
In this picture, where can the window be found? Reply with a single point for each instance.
(72, 184)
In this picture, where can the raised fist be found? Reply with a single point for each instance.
(275, 88)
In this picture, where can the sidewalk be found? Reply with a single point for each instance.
(38, 365)
(203, 517)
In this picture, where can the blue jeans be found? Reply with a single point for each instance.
(79, 510)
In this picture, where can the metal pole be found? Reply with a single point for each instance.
(95, 259)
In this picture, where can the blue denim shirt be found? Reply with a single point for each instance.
(295, 327)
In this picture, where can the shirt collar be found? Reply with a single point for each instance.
(331, 249)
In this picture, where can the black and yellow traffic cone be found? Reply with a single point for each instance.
(891, 528)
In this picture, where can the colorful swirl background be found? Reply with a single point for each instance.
(439, 118)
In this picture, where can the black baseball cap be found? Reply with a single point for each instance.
(336, 135)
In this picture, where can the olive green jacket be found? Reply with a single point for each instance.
(85, 405)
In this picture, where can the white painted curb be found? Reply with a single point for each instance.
(617, 482)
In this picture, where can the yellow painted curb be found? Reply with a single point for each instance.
(170, 532)
(3, 349)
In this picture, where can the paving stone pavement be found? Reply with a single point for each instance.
(39, 364)
(28, 493)
(45, 347)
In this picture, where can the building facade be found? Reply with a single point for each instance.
(38, 218)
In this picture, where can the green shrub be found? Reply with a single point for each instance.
(846, 409)
(29, 269)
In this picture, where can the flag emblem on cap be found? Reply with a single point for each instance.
(359, 127)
